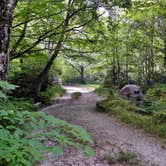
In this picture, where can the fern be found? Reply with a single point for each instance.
(23, 134)
(4, 88)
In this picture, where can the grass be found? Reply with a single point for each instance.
(110, 159)
(128, 158)
(128, 113)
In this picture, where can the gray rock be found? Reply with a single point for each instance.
(132, 91)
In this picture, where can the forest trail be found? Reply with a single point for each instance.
(110, 135)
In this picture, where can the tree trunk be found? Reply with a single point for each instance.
(44, 73)
(165, 48)
(82, 79)
(6, 13)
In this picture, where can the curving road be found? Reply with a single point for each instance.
(110, 135)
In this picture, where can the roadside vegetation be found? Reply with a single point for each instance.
(149, 114)
(95, 43)
(127, 158)
(76, 95)
(51, 93)
(24, 132)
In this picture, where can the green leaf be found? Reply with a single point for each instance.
(7, 86)
(89, 151)
(2, 95)
(57, 150)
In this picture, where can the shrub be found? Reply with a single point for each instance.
(159, 117)
(128, 157)
(5, 87)
(157, 92)
(76, 95)
(24, 73)
(23, 134)
(21, 145)
(18, 105)
(50, 93)
(119, 104)
(108, 92)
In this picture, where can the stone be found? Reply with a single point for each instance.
(132, 91)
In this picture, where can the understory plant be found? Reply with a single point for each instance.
(5, 87)
(51, 92)
(76, 95)
(148, 114)
(24, 135)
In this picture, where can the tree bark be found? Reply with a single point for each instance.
(82, 78)
(44, 73)
(6, 13)
(165, 47)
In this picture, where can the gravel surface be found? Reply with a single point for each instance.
(110, 135)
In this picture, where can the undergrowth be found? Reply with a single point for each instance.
(128, 158)
(25, 132)
(149, 115)
(51, 92)
(76, 95)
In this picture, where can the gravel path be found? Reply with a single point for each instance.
(109, 134)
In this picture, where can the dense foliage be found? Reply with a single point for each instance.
(112, 43)
(24, 133)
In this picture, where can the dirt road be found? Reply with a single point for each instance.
(110, 135)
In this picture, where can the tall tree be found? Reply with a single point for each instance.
(6, 13)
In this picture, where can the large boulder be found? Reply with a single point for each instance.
(132, 91)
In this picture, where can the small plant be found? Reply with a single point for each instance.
(76, 95)
(159, 117)
(127, 157)
(51, 92)
(122, 157)
(157, 92)
(18, 105)
(23, 134)
(107, 92)
(5, 87)
(19, 146)
(110, 159)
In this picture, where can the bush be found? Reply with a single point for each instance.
(23, 134)
(51, 92)
(158, 92)
(5, 87)
(18, 105)
(24, 73)
(108, 92)
(159, 117)
(22, 138)
(76, 95)
(128, 157)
